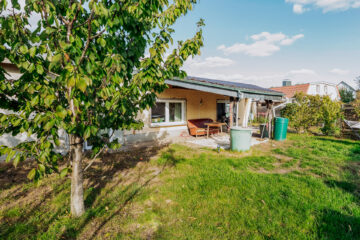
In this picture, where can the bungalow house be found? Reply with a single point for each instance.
(319, 88)
(199, 98)
(183, 100)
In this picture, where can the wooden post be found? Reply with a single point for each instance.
(231, 112)
(269, 105)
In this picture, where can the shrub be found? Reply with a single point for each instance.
(308, 111)
(356, 104)
(346, 96)
(303, 113)
(330, 114)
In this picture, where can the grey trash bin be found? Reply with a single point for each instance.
(264, 132)
(240, 139)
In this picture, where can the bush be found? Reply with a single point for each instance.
(356, 104)
(304, 113)
(346, 96)
(330, 114)
(308, 111)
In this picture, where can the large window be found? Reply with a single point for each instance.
(168, 112)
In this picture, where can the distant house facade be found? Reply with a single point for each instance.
(319, 88)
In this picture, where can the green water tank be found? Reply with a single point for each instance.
(240, 139)
(280, 128)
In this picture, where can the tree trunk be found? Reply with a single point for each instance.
(77, 190)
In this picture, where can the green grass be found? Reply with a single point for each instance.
(305, 188)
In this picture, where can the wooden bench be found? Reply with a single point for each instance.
(197, 127)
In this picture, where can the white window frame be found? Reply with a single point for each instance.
(167, 113)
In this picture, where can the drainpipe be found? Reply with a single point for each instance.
(274, 108)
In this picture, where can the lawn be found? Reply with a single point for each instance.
(305, 188)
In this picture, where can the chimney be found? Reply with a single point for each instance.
(286, 83)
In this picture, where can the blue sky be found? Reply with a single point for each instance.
(266, 41)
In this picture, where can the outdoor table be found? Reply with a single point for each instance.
(214, 124)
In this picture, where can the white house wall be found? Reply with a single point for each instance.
(332, 90)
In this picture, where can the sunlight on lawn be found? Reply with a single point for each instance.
(305, 188)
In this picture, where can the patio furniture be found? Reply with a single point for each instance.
(197, 127)
(214, 125)
(354, 127)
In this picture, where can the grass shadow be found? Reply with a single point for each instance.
(334, 225)
(110, 168)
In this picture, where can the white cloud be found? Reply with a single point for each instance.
(339, 71)
(210, 62)
(265, 44)
(325, 5)
(303, 71)
(299, 9)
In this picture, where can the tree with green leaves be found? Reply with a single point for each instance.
(304, 112)
(308, 111)
(346, 95)
(85, 68)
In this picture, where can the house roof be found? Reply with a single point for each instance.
(347, 85)
(290, 91)
(232, 89)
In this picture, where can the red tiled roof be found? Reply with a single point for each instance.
(290, 91)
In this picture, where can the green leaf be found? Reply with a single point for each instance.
(102, 42)
(81, 84)
(56, 58)
(39, 69)
(32, 51)
(152, 52)
(49, 99)
(61, 112)
(71, 82)
(10, 155)
(34, 101)
(23, 49)
(87, 133)
(64, 172)
(49, 125)
(57, 142)
(42, 168)
(49, 30)
(31, 174)
(16, 160)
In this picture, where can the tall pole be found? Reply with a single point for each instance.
(231, 112)
(237, 112)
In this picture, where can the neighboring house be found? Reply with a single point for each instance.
(187, 99)
(319, 88)
(347, 87)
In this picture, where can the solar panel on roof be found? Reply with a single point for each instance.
(231, 84)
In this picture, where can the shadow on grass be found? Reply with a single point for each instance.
(335, 225)
(128, 194)
(101, 180)
(11, 176)
(16, 220)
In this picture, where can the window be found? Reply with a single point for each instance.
(326, 89)
(168, 112)
(318, 89)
